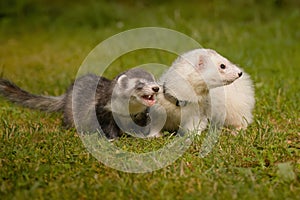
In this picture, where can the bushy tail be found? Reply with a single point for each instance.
(16, 95)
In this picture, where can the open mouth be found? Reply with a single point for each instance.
(149, 100)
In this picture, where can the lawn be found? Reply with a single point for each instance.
(43, 44)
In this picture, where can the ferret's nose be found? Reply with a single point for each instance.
(240, 74)
(155, 89)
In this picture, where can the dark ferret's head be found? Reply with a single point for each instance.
(138, 85)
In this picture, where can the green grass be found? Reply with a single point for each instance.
(42, 46)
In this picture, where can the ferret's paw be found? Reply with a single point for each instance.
(155, 135)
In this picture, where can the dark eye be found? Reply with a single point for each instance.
(139, 85)
(223, 66)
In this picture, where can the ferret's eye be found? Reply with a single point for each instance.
(140, 85)
(222, 66)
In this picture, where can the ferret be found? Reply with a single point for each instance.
(94, 102)
(202, 86)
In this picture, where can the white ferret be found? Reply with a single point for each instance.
(202, 85)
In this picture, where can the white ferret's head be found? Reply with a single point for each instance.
(137, 87)
(206, 66)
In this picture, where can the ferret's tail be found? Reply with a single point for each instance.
(16, 95)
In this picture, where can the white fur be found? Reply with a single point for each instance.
(220, 95)
(239, 102)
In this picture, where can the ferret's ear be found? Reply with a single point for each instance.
(122, 81)
(201, 62)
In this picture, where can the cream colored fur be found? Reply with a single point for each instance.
(223, 96)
